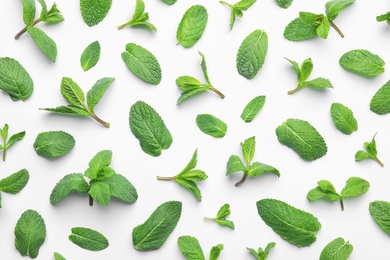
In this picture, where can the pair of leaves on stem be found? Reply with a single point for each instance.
(235, 164)
(44, 42)
(191, 86)
(363, 63)
(354, 187)
(94, 11)
(261, 254)
(309, 25)
(188, 177)
(343, 118)
(192, 250)
(76, 98)
(222, 214)
(53, 144)
(14, 183)
(304, 72)
(284, 3)
(104, 183)
(192, 26)
(237, 9)
(89, 239)
(9, 142)
(370, 153)
(337, 249)
(139, 17)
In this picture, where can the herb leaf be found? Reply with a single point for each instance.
(29, 10)
(355, 187)
(223, 212)
(88, 239)
(370, 154)
(384, 17)
(261, 254)
(90, 56)
(100, 192)
(234, 164)
(99, 166)
(333, 8)
(11, 141)
(30, 233)
(155, 231)
(215, 252)
(237, 9)
(97, 91)
(192, 26)
(72, 92)
(252, 109)
(71, 182)
(139, 17)
(380, 212)
(363, 63)
(299, 30)
(343, 118)
(53, 144)
(44, 42)
(336, 249)
(190, 248)
(58, 256)
(293, 225)
(211, 125)
(121, 188)
(15, 182)
(379, 103)
(284, 3)
(251, 54)
(94, 11)
(169, 2)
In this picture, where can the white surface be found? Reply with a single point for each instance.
(220, 46)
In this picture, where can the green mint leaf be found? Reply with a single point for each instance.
(68, 110)
(142, 63)
(190, 248)
(169, 2)
(244, 4)
(252, 109)
(284, 3)
(303, 138)
(58, 256)
(232, 19)
(299, 30)
(53, 144)
(72, 92)
(54, 15)
(191, 164)
(149, 128)
(380, 212)
(100, 192)
(88, 239)
(211, 125)
(215, 252)
(257, 169)
(325, 189)
(255, 254)
(223, 212)
(15, 182)
(15, 138)
(29, 10)
(251, 54)
(261, 254)
(333, 8)
(237, 9)
(4, 132)
(363, 63)
(98, 164)
(384, 17)
(139, 17)
(15, 80)
(371, 146)
(97, 91)
(121, 188)
(379, 103)
(155, 231)
(295, 65)
(293, 225)
(44, 42)
(30, 233)
(195, 175)
(190, 186)
(343, 118)
(319, 83)
(234, 164)
(187, 83)
(371, 152)
(192, 26)
(310, 18)
(225, 223)
(362, 155)
(43, 14)
(189, 93)
(269, 247)
(355, 187)
(90, 56)
(94, 11)
(248, 148)
(71, 182)
(336, 249)
(324, 27)
(203, 65)
(305, 70)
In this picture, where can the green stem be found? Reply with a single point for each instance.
(100, 121)
(206, 218)
(217, 91)
(376, 159)
(122, 26)
(90, 200)
(4, 150)
(294, 90)
(342, 204)
(242, 180)
(336, 28)
(17, 36)
(165, 178)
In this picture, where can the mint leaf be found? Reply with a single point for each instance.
(29, 10)
(251, 54)
(53, 144)
(355, 187)
(325, 189)
(15, 182)
(149, 128)
(187, 83)
(100, 192)
(384, 17)
(370, 154)
(252, 109)
(72, 92)
(324, 27)
(248, 149)
(211, 125)
(234, 164)
(310, 18)
(192, 26)
(30, 233)
(53, 15)
(98, 166)
(363, 63)
(333, 8)
(97, 91)
(215, 252)
(261, 254)
(58, 256)
(380, 101)
(88, 239)
(284, 3)
(380, 212)
(299, 30)
(68, 110)
(121, 188)
(190, 248)
(223, 212)
(142, 63)
(15, 80)
(11, 141)
(237, 9)
(44, 42)
(90, 56)
(189, 93)
(343, 118)
(303, 138)
(153, 233)
(293, 225)
(257, 169)
(336, 249)
(169, 2)
(139, 17)
(71, 182)
(94, 11)
(15, 138)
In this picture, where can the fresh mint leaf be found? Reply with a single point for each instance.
(169, 2)
(94, 11)
(248, 149)
(186, 83)
(384, 17)
(88, 239)
(293, 225)
(324, 28)
(380, 212)
(100, 192)
(139, 17)
(29, 10)
(53, 144)
(379, 103)
(53, 15)
(251, 54)
(95, 94)
(371, 152)
(15, 80)
(237, 8)
(343, 118)
(215, 252)
(153, 233)
(44, 42)
(211, 125)
(71, 182)
(99, 166)
(337, 249)
(355, 187)
(68, 110)
(190, 248)
(363, 63)
(310, 18)
(284, 3)
(90, 56)
(149, 128)
(8, 143)
(303, 138)
(121, 188)
(223, 212)
(333, 8)
(299, 30)
(30, 233)
(58, 256)
(72, 92)
(192, 26)
(261, 254)
(252, 109)
(15, 182)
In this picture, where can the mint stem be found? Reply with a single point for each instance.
(17, 36)
(100, 121)
(209, 218)
(294, 90)
(336, 28)
(122, 26)
(4, 150)
(165, 178)
(217, 91)
(342, 204)
(376, 159)
(242, 180)
(90, 200)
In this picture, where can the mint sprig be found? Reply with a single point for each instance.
(237, 9)
(139, 17)
(222, 214)
(8, 143)
(370, 153)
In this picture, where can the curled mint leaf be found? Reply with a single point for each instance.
(370, 153)
(261, 254)
(140, 18)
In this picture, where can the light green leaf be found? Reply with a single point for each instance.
(261, 254)
(343, 118)
(310, 18)
(100, 192)
(68, 110)
(189, 93)
(244, 4)
(98, 164)
(15, 182)
(192, 26)
(190, 248)
(211, 125)
(94, 11)
(139, 17)
(191, 186)
(15, 138)
(191, 164)
(323, 28)
(380, 102)
(318, 83)
(363, 63)
(337, 249)
(225, 223)
(90, 56)
(333, 8)
(194, 175)
(371, 152)
(269, 247)
(44, 42)
(53, 144)
(29, 10)
(371, 146)
(298, 30)
(325, 189)
(362, 155)
(215, 252)
(284, 3)
(30, 233)
(4, 132)
(224, 211)
(384, 17)
(43, 14)
(155, 231)
(58, 256)
(187, 83)
(97, 91)
(251, 54)
(305, 70)
(248, 148)
(121, 188)
(54, 15)
(169, 2)
(142, 63)
(380, 212)
(71, 182)
(257, 169)
(203, 65)
(88, 239)
(234, 164)
(295, 65)
(72, 92)
(293, 225)
(15, 80)
(253, 108)
(355, 187)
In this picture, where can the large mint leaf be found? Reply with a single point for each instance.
(192, 26)
(88, 239)
(363, 63)
(337, 249)
(343, 118)
(190, 248)
(94, 11)
(252, 109)
(44, 42)
(71, 182)
(15, 182)
(298, 30)
(53, 144)
(380, 212)
(211, 125)
(380, 102)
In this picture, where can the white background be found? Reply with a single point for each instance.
(220, 46)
